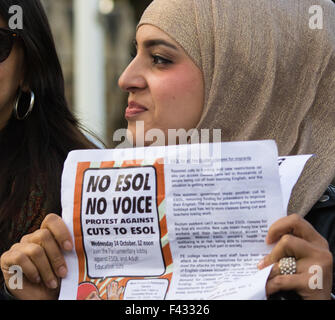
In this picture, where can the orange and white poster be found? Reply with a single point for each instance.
(177, 222)
(119, 220)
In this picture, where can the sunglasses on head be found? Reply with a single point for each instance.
(7, 38)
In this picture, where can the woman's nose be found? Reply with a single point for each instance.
(132, 78)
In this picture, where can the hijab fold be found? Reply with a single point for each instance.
(268, 75)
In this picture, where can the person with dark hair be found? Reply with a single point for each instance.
(37, 129)
(254, 70)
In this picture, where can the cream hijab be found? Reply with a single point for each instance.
(268, 75)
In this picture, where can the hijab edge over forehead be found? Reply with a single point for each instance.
(185, 34)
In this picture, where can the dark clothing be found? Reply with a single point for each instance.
(29, 220)
(322, 217)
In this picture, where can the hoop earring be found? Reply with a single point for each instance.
(30, 109)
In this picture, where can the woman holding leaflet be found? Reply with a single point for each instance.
(256, 71)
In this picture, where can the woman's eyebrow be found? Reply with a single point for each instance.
(157, 42)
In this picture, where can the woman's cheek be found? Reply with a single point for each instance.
(6, 93)
(10, 78)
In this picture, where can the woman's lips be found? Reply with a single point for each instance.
(134, 109)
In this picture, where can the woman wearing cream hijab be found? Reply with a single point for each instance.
(254, 69)
(267, 75)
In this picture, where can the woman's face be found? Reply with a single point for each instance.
(11, 76)
(166, 88)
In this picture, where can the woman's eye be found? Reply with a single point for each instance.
(159, 60)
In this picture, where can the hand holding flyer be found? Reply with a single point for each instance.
(178, 222)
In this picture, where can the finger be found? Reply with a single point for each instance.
(275, 271)
(288, 246)
(114, 287)
(26, 238)
(19, 259)
(284, 283)
(38, 257)
(120, 291)
(44, 238)
(109, 291)
(297, 226)
(93, 296)
(59, 230)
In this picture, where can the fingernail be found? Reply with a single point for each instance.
(62, 271)
(53, 284)
(67, 245)
(261, 264)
